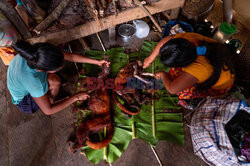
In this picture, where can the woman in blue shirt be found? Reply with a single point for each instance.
(32, 81)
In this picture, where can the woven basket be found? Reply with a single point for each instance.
(197, 9)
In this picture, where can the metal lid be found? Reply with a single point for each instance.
(126, 30)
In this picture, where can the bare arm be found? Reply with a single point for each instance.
(149, 60)
(82, 59)
(48, 108)
(183, 81)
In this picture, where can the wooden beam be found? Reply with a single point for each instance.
(108, 22)
(54, 15)
(15, 19)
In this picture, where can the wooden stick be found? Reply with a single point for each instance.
(100, 40)
(158, 159)
(153, 106)
(137, 2)
(84, 44)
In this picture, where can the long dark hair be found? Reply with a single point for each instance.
(42, 56)
(220, 57)
(178, 53)
(181, 53)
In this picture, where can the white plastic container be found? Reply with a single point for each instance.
(142, 28)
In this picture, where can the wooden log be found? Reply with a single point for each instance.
(21, 10)
(52, 17)
(108, 22)
(15, 19)
(34, 10)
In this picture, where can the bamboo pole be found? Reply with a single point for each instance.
(77, 69)
(157, 157)
(153, 106)
(133, 130)
(100, 40)
(105, 148)
(105, 129)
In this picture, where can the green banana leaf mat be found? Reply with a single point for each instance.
(151, 124)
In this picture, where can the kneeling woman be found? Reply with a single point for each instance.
(32, 81)
(199, 66)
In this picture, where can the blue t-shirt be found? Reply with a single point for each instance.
(19, 2)
(22, 80)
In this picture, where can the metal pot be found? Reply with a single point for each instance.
(126, 31)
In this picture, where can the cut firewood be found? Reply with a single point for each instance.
(100, 8)
(34, 10)
(91, 3)
(52, 17)
(92, 11)
(104, 4)
(115, 6)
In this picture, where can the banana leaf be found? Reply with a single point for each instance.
(168, 126)
(119, 143)
(146, 50)
(118, 59)
(92, 70)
